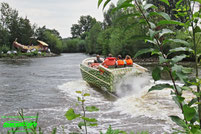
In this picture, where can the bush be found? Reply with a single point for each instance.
(4, 49)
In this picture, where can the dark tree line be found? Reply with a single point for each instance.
(13, 26)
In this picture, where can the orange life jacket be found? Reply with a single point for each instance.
(129, 62)
(120, 62)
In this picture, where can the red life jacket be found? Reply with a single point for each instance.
(110, 61)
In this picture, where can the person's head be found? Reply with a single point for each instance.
(128, 57)
(97, 56)
(109, 55)
(119, 57)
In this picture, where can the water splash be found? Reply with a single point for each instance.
(130, 84)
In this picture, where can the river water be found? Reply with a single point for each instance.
(47, 86)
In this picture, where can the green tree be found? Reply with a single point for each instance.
(84, 25)
(16, 26)
(55, 44)
(92, 43)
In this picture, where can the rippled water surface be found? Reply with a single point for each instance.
(48, 85)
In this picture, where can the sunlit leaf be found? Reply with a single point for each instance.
(143, 51)
(93, 124)
(159, 87)
(99, 2)
(180, 49)
(177, 41)
(166, 31)
(164, 15)
(91, 108)
(169, 22)
(166, 2)
(163, 60)
(70, 114)
(178, 58)
(187, 70)
(105, 4)
(89, 119)
(147, 6)
(78, 92)
(152, 25)
(86, 94)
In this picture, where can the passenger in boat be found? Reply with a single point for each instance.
(129, 61)
(109, 62)
(98, 60)
(120, 62)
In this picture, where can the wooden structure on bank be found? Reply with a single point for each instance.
(42, 46)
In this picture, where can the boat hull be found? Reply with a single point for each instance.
(97, 78)
(105, 78)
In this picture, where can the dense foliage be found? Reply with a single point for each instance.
(162, 33)
(13, 26)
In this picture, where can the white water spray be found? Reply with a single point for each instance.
(130, 84)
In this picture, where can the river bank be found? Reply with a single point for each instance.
(26, 55)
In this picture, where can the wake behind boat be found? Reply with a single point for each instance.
(106, 78)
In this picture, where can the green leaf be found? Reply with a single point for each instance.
(160, 87)
(178, 3)
(79, 99)
(86, 94)
(166, 2)
(80, 124)
(163, 60)
(178, 121)
(152, 25)
(157, 52)
(125, 4)
(156, 73)
(91, 108)
(70, 114)
(164, 15)
(187, 70)
(176, 41)
(189, 112)
(127, 16)
(147, 6)
(143, 51)
(197, 29)
(93, 124)
(179, 49)
(89, 119)
(105, 4)
(193, 101)
(178, 58)
(166, 31)
(99, 2)
(78, 92)
(198, 1)
(120, 2)
(176, 100)
(169, 22)
(152, 41)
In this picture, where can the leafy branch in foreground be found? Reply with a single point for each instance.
(159, 24)
(71, 115)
